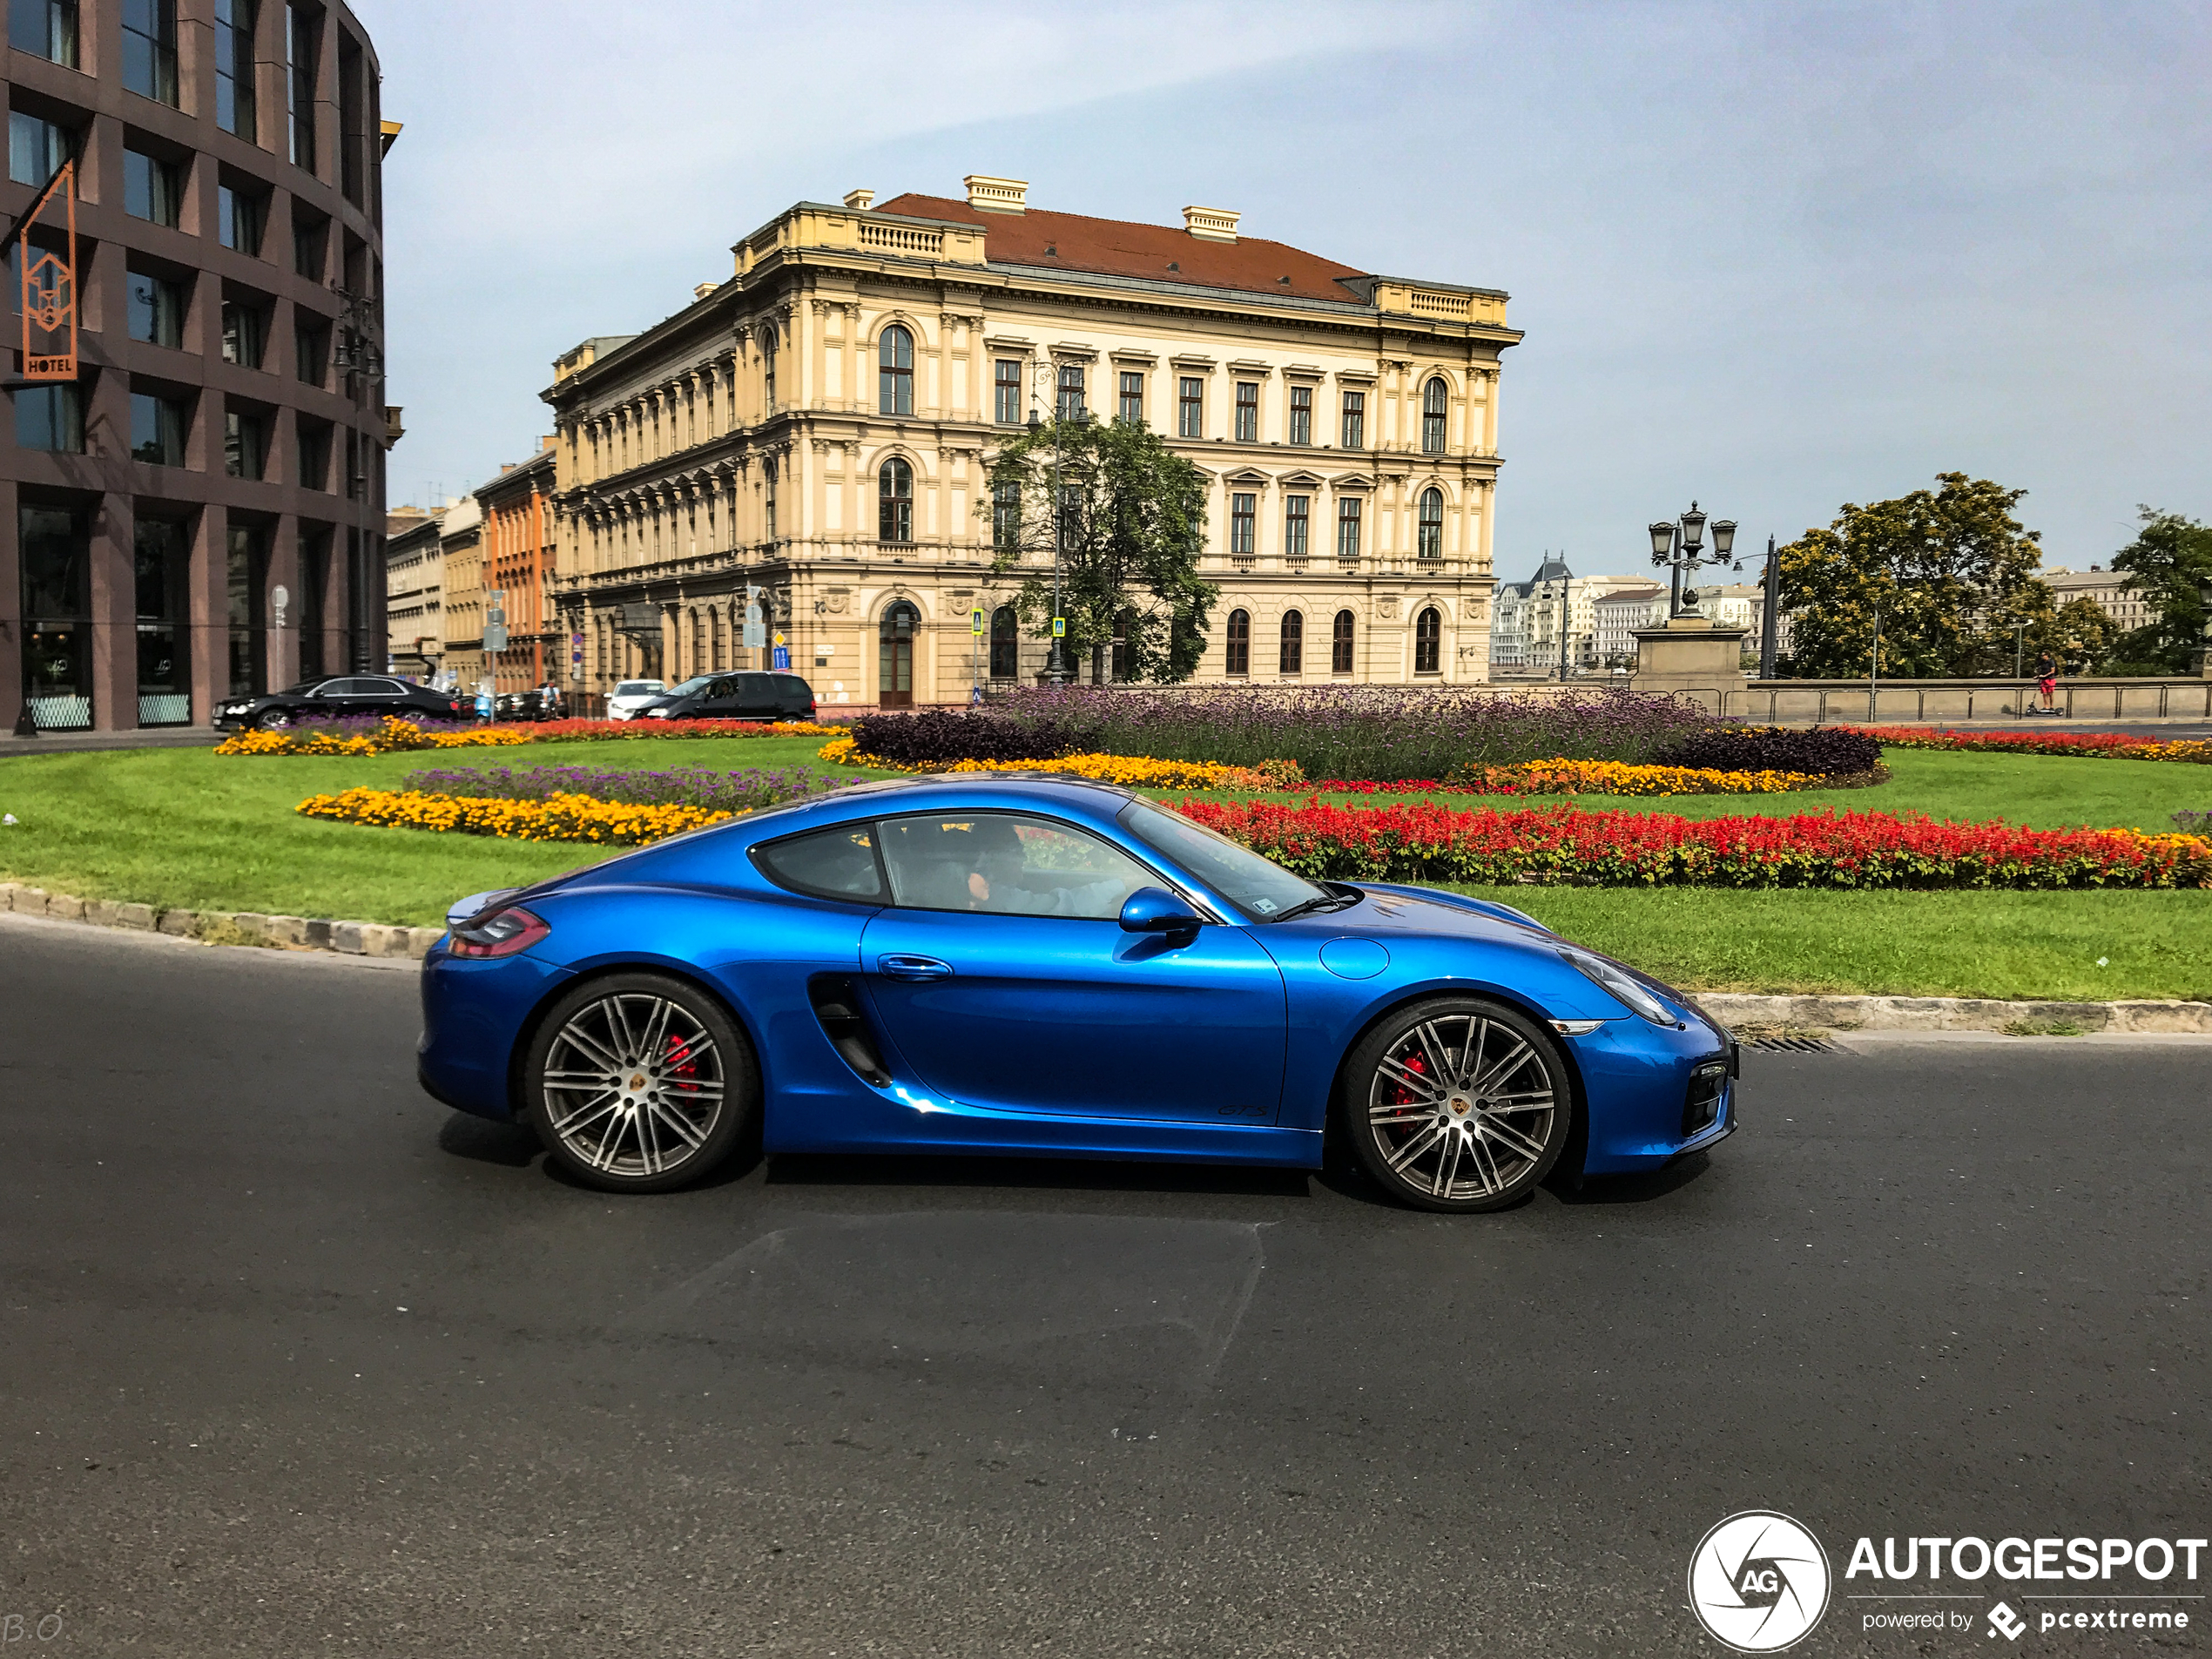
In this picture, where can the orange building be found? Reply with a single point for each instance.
(518, 545)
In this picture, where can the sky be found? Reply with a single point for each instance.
(1772, 258)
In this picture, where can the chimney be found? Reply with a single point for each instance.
(1215, 224)
(859, 200)
(989, 195)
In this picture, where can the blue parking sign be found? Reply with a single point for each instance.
(783, 657)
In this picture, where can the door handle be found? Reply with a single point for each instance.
(913, 968)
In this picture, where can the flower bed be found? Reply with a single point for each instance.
(1430, 843)
(1826, 752)
(391, 736)
(1135, 770)
(745, 790)
(558, 818)
(2110, 746)
(1565, 776)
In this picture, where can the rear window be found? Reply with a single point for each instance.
(791, 685)
(839, 863)
(637, 688)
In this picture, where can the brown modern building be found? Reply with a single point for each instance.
(200, 513)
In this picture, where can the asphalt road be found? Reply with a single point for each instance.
(294, 1362)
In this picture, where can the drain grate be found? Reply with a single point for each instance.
(1792, 1045)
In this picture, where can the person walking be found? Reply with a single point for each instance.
(2046, 681)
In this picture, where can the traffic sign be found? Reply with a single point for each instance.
(783, 657)
(1060, 627)
(975, 622)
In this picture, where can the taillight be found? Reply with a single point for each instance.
(501, 934)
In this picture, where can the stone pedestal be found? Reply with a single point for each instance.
(1690, 657)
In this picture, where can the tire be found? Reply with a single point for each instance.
(684, 1100)
(1440, 1133)
(274, 720)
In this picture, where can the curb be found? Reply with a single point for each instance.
(225, 926)
(1953, 1012)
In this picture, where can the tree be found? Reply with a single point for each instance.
(1134, 515)
(1949, 571)
(2168, 562)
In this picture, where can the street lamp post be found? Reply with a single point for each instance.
(1770, 611)
(1056, 665)
(1679, 544)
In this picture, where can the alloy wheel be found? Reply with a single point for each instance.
(1461, 1109)
(633, 1086)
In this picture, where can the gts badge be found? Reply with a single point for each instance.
(1240, 1111)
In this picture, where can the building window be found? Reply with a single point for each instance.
(240, 216)
(302, 45)
(1348, 528)
(1340, 643)
(1006, 517)
(44, 29)
(1190, 408)
(245, 444)
(1005, 391)
(161, 561)
(247, 568)
(353, 125)
(1240, 642)
(1071, 392)
(1355, 420)
(245, 333)
(895, 655)
(314, 453)
(55, 547)
(157, 429)
(1243, 510)
(1118, 658)
(311, 347)
(1431, 544)
(1131, 410)
(1435, 400)
(895, 488)
(50, 418)
(1296, 517)
(1301, 414)
(310, 242)
(1248, 411)
(1428, 642)
(1006, 649)
(1292, 658)
(894, 379)
(153, 190)
(156, 308)
(234, 67)
(150, 49)
(36, 149)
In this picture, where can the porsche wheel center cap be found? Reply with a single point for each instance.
(1459, 1106)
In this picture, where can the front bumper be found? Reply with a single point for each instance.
(1647, 1102)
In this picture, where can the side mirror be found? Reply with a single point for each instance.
(1154, 910)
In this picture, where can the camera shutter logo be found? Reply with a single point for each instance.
(1758, 1582)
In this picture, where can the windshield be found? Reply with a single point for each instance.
(696, 683)
(1254, 885)
(637, 688)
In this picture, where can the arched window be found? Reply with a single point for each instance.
(895, 657)
(699, 641)
(1292, 660)
(1430, 545)
(1434, 401)
(1240, 642)
(1428, 643)
(894, 489)
(1006, 650)
(895, 379)
(714, 638)
(1340, 643)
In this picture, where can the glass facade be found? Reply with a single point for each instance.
(54, 545)
(162, 560)
(155, 310)
(50, 417)
(36, 148)
(150, 49)
(247, 573)
(234, 110)
(44, 29)
(157, 429)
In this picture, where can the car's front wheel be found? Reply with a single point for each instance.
(274, 720)
(638, 1082)
(1458, 1104)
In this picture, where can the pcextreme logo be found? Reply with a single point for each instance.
(1758, 1582)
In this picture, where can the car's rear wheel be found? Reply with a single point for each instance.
(274, 720)
(1458, 1104)
(637, 1083)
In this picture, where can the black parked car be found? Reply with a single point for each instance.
(342, 698)
(538, 704)
(747, 696)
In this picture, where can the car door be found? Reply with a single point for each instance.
(334, 699)
(1002, 977)
(756, 698)
(378, 697)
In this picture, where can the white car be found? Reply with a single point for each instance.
(631, 696)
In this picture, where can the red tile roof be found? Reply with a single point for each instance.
(1118, 248)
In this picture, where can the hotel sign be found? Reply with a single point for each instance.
(50, 287)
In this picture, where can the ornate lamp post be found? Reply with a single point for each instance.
(1056, 666)
(1679, 544)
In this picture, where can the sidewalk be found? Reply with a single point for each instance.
(160, 737)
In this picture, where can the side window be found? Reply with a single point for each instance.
(340, 688)
(1007, 865)
(836, 863)
(721, 689)
(756, 688)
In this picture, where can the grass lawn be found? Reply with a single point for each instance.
(181, 827)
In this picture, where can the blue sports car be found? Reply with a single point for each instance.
(1041, 966)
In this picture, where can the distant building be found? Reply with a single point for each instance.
(414, 593)
(519, 553)
(1527, 620)
(1616, 616)
(2130, 608)
(460, 531)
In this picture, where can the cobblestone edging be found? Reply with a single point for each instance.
(225, 926)
(1952, 1013)
(1830, 1013)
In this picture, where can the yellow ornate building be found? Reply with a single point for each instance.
(816, 430)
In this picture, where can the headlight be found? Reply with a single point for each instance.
(1618, 984)
(657, 714)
